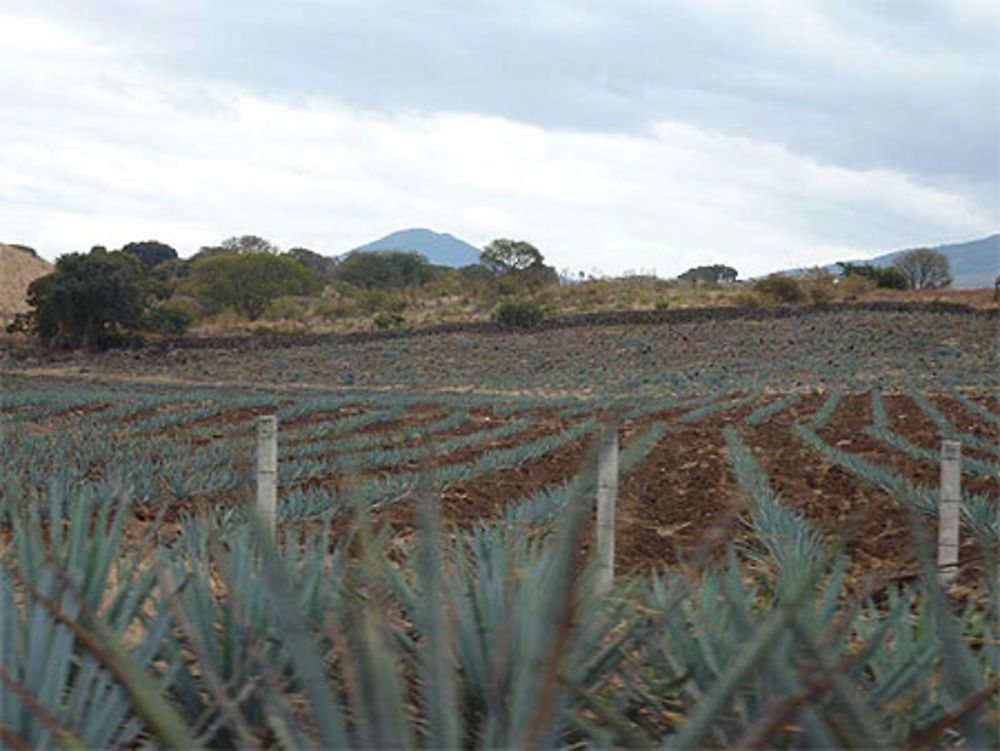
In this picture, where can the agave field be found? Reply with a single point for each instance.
(432, 583)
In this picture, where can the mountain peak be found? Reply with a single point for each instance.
(440, 248)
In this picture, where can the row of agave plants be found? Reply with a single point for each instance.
(211, 634)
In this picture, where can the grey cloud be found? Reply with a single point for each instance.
(911, 87)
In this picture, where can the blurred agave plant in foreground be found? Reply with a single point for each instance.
(484, 638)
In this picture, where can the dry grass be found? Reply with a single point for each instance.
(451, 300)
(421, 308)
(18, 269)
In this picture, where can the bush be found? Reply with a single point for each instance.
(746, 298)
(820, 293)
(386, 320)
(819, 285)
(172, 318)
(377, 301)
(710, 274)
(288, 308)
(384, 269)
(885, 277)
(521, 314)
(852, 288)
(247, 282)
(779, 288)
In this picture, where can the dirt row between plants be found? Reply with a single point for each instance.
(879, 524)
(682, 504)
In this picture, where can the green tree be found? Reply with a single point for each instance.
(237, 244)
(518, 265)
(247, 282)
(504, 256)
(887, 277)
(249, 244)
(322, 267)
(924, 269)
(150, 253)
(89, 301)
(712, 274)
(384, 269)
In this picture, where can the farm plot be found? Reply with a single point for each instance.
(857, 465)
(769, 593)
(851, 349)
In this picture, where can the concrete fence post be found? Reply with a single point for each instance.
(267, 470)
(949, 510)
(607, 495)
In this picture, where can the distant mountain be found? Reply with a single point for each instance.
(974, 264)
(440, 248)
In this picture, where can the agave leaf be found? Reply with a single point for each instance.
(161, 717)
(63, 735)
(300, 644)
(708, 711)
(438, 663)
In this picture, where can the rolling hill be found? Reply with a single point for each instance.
(18, 269)
(440, 248)
(974, 264)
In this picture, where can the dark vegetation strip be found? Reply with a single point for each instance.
(609, 318)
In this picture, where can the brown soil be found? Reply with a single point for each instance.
(483, 499)
(145, 414)
(965, 420)
(846, 431)
(871, 525)
(347, 410)
(683, 503)
(81, 411)
(896, 549)
(468, 454)
(463, 455)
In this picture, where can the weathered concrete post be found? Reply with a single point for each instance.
(607, 495)
(949, 510)
(267, 470)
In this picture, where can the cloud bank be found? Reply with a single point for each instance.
(628, 135)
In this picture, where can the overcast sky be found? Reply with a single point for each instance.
(613, 135)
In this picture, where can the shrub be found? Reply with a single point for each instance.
(518, 313)
(853, 287)
(247, 282)
(746, 299)
(287, 308)
(384, 269)
(710, 274)
(172, 318)
(820, 294)
(385, 320)
(886, 277)
(377, 301)
(779, 288)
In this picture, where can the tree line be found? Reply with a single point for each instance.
(105, 298)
